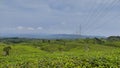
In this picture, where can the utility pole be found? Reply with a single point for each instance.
(80, 30)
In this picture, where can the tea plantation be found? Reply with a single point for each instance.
(56, 53)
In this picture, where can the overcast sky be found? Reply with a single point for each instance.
(96, 17)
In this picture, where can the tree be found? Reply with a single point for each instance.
(6, 50)
(99, 41)
(113, 38)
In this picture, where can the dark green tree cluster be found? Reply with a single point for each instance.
(113, 38)
(6, 50)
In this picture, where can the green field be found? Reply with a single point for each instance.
(79, 53)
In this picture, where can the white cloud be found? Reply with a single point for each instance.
(25, 28)
(51, 12)
(63, 23)
(20, 27)
(30, 28)
(39, 28)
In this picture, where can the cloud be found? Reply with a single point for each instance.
(20, 27)
(57, 15)
(63, 23)
(39, 28)
(30, 28)
(25, 28)
(74, 6)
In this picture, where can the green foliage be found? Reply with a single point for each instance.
(6, 50)
(80, 53)
(113, 44)
(113, 38)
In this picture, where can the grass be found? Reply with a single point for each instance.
(72, 54)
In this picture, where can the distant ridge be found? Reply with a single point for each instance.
(51, 36)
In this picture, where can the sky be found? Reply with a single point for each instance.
(88, 17)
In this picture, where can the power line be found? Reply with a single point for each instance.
(102, 25)
(104, 16)
(111, 4)
(91, 12)
(91, 9)
(100, 13)
(95, 13)
(79, 30)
